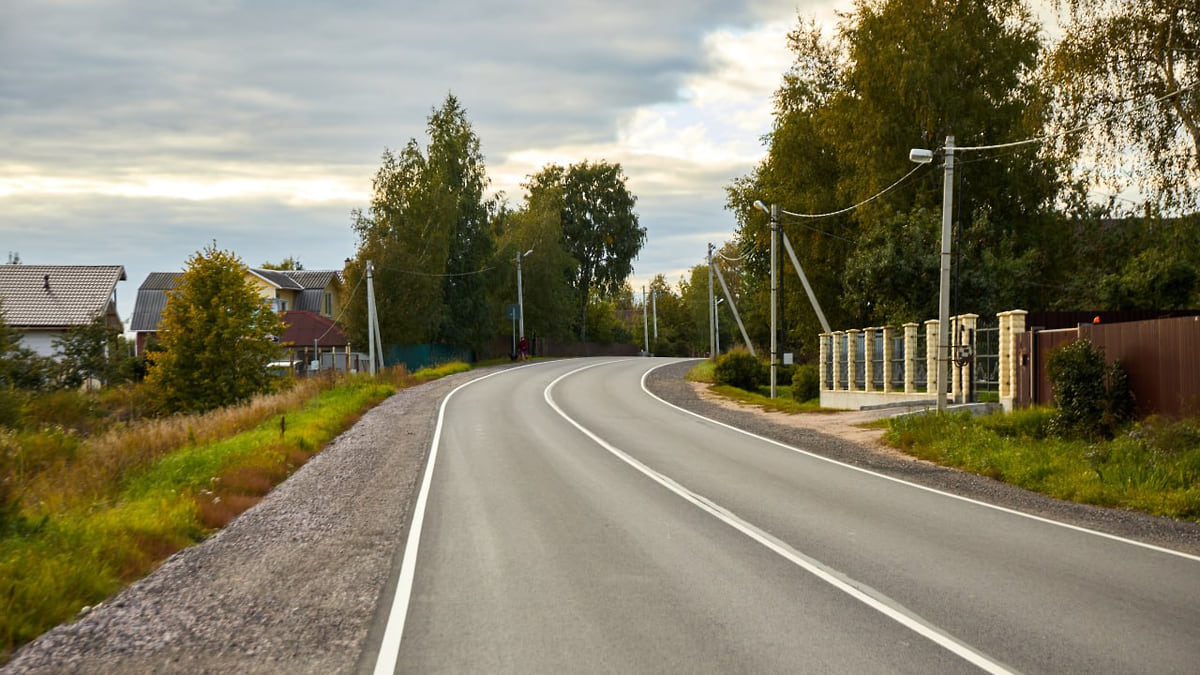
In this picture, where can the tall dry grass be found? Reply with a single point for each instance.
(95, 472)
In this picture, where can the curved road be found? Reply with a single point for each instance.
(569, 521)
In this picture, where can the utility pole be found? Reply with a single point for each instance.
(774, 297)
(712, 331)
(645, 322)
(944, 286)
(370, 318)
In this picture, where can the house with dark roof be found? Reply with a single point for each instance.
(43, 302)
(315, 291)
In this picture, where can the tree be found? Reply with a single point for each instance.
(846, 116)
(546, 272)
(218, 336)
(88, 352)
(289, 263)
(1134, 66)
(428, 234)
(600, 228)
(20, 367)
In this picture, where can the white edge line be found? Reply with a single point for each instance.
(890, 609)
(389, 646)
(1004, 509)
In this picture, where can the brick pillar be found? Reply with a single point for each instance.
(964, 329)
(823, 361)
(910, 358)
(931, 357)
(1011, 324)
(839, 357)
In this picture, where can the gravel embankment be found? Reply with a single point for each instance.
(291, 586)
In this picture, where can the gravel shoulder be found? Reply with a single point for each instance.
(292, 585)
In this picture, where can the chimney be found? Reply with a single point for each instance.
(46, 282)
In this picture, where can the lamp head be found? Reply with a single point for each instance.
(761, 206)
(920, 156)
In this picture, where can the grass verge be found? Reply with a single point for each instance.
(1154, 467)
(102, 512)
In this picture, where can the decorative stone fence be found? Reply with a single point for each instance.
(889, 366)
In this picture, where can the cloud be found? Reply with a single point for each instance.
(138, 130)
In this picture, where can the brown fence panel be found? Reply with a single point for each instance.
(1162, 359)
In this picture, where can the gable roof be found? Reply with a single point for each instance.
(278, 279)
(314, 279)
(152, 300)
(57, 296)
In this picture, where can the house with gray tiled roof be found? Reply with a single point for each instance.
(42, 302)
(316, 291)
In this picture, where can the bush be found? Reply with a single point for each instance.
(806, 383)
(1093, 397)
(739, 369)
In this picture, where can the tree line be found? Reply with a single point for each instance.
(444, 253)
(1113, 102)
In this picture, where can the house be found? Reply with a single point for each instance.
(311, 337)
(43, 302)
(315, 291)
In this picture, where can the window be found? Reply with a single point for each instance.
(328, 304)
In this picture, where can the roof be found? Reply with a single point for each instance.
(152, 296)
(301, 328)
(277, 279)
(57, 296)
(314, 279)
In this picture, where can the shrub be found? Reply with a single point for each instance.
(1093, 397)
(739, 369)
(806, 383)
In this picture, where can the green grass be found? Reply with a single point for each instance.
(1154, 467)
(58, 555)
(704, 371)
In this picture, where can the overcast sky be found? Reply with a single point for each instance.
(138, 132)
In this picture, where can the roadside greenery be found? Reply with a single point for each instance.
(91, 503)
(1152, 467)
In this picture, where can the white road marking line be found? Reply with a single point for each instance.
(1041, 519)
(389, 647)
(861, 592)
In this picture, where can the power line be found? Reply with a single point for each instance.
(862, 203)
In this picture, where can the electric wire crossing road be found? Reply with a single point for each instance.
(537, 543)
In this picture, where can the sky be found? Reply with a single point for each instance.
(137, 132)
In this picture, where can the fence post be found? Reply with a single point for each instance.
(931, 357)
(823, 360)
(838, 357)
(1012, 323)
(910, 358)
(963, 336)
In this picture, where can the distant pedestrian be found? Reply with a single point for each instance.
(523, 349)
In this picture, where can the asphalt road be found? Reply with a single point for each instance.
(571, 522)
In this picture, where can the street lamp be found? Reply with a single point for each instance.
(774, 213)
(943, 369)
(520, 299)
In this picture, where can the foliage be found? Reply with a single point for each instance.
(846, 116)
(738, 368)
(217, 336)
(599, 227)
(1118, 62)
(806, 382)
(1093, 397)
(290, 263)
(83, 537)
(429, 237)
(1153, 467)
(89, 352)
(20, 367)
